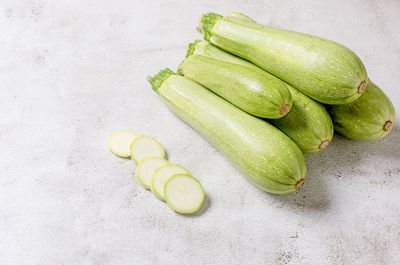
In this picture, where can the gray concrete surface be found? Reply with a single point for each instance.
(73, 71)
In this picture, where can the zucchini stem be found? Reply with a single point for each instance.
(284, 109)
(157, 80)
(387, 126)
(191, 48)
(207, 22)
(323, 144)
(362, 86)
(299, 183)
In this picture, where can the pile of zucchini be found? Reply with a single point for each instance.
(263, 96)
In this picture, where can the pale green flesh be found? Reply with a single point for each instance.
(161, 176)
(308, 123)
(119, 143)
(146, 146)
(261, 152)
(146, 168)
(255, 92)
(322, 69)
(184, 194)
(365, 118)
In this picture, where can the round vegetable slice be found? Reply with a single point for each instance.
(183, 193)
(119, 143)
(146, 168)
(146, 146)
(161, 176)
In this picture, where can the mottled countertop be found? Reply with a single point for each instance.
(74, 71)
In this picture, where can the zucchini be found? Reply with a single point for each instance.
(369, 118)
(308, 123)
(255, 92)
(202, 47)
(261, 152)
(323, 70)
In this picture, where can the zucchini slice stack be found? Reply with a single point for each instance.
(169, 182)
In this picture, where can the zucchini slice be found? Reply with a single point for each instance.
(184, 194)
(146, 146)
(146, 168)
(119, 143)
(161, 176)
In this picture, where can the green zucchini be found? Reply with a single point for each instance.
(202, 47)
(308, 123)
(369, 118)
(261, 152)
(323, 70)
(255, 92)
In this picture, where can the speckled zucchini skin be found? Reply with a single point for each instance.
(261, 152)
(255, 92)
(323, 70)
(308, 123)
(369, 118)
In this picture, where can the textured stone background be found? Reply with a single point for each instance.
(73, 71)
